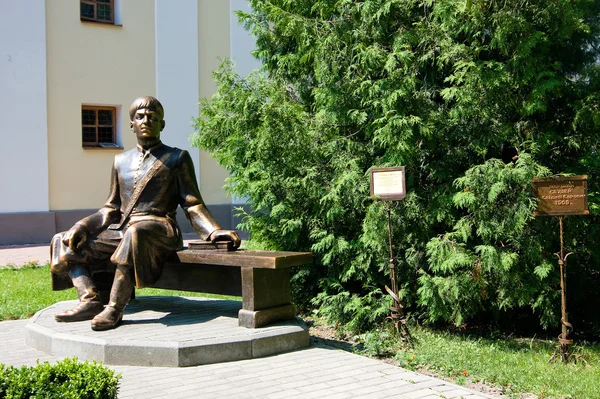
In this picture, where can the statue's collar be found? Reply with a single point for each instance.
(151, 149)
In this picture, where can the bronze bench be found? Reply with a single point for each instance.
(261, 278)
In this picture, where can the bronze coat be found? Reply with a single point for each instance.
(150, 233)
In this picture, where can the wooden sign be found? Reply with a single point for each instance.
(388, 184)
(561, 196)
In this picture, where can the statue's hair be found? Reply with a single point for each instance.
(146, 102)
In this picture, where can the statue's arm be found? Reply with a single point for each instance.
(93, 224)
(191, 201)
(110, 212)
(202, 221)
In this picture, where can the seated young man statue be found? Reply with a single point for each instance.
(136, 229)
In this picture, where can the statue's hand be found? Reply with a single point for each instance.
(75, 237)
(226, 235)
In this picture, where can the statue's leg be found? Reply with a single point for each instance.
(89, 300)
(120, 293)
(139, 258)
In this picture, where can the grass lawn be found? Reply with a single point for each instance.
(24, 291)
(520, 367)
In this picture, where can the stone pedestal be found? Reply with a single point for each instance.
(166, 332)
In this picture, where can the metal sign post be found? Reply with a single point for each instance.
(561, 196)
(389, 184)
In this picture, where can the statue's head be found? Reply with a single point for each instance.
(147, 102)
(146, 114)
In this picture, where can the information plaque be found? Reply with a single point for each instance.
(561, 195)
(388, 184)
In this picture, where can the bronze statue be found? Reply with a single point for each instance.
(136, 229)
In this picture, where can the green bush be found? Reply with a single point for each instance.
(474, 97)
(67, 378)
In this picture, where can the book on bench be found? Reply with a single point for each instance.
(210, 246)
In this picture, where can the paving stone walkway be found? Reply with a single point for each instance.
(319, 371)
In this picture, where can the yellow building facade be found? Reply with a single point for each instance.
(57, 63)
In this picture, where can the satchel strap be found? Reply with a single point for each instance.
(138, 190)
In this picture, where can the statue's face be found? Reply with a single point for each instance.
(147, 124)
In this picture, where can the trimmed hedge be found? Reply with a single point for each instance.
(67, 378)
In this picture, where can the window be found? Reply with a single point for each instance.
(97, 11)
(98, 127)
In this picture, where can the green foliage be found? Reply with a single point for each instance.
(377, 343)
(67, 378)
(485, 246)
(473, 97)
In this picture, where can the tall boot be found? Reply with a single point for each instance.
(89, 300)
(120, 293)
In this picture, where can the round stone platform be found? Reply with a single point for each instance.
(165, 332)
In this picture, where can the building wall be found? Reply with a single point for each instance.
(241, 45)
(51, 64)
(92, 63)
(242, 42)
(24, 149)
(23, 132)
(181, 42)
(177, 69)
(213, 41)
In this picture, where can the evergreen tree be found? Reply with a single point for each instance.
(474, 97)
